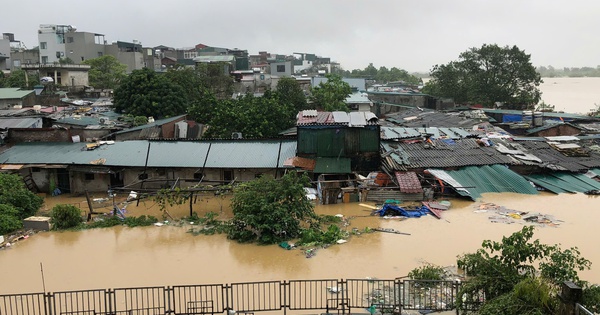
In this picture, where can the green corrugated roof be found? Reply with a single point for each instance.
(561, 182)
(476, 180)
(222, 154)
(333, 166)
(13, 93)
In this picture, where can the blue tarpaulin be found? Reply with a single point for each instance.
(394, 210)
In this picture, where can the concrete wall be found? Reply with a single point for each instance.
(288, 69)
(74, 78)
(18, 135)
(30, 56)
(79, 183)
(133, 60)
(5, 64)
(81, 46)
(53, 44)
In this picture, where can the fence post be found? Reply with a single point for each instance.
(48, 298)
(284, 296)
(169, 308)
(227, 307)
(570, 295)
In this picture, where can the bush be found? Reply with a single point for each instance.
(427, 272)
(65, 217)
(13, 192)
(9, 219)
(111, 221)
(591, 298)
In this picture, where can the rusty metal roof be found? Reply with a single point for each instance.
(352, 119)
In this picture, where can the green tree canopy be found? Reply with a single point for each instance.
(22, 80)
(488, 75)
(254, 117)
(382, 75)
(147, 93)
(269, 211)
(331, 95)
(106, 72)
(518, 275)
(16, 202)
(290, 94)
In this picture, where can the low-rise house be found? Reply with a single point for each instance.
(340, 142)
(555, 128)
(80, 167)
(16, 98)
(69, 75)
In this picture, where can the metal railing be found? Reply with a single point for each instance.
(329, 295)
(581, 310)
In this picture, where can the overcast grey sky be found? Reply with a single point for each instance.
(412, 35)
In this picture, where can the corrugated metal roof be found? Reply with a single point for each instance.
(13, 93)
(333, 166)
(561, 182)
(442, 154)
(158, 122)
(6, 123)
(352, 119)
(472, 181)
(357, 98)
(223, 154)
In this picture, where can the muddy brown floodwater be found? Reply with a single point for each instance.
(168, 255)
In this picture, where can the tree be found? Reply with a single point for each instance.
(16, 202)
(147, 93)
(20, 79)
(488, 75)
(65, 217)
(269, 211)
(13, 192)
(254, 117)
(518, 275)
(331, 95)
(106, 72)
(290, 94)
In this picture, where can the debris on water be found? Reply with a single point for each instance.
(310, 252)
(341, 241)
(501, 214)
(334, 289)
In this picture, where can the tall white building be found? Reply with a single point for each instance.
(52, 40)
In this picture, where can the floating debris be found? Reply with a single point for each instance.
(501, 214)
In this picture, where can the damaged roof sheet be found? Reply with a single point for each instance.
(472, 181)
(441, 154)
(562, 182)
(409, 182)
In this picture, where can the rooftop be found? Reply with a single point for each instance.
(14, 93)
(351, 119)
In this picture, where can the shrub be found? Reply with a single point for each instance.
(9, 219)
(65, 217)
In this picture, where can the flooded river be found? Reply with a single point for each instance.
(168, 255)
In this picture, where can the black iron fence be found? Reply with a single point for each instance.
(329, 295)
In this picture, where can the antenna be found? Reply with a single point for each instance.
(43, 281)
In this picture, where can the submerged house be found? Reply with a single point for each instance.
(97, 167)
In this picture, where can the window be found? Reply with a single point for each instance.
(70, 39)
(43, 45)
(280, 68)
(100, 54)
(198, 175)
(16, 63)
(82, 58)
(89, 176)
(44, 59)
(35, 169)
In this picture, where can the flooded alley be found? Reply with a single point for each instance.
(168, 255)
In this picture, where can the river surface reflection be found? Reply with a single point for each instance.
(168, 255)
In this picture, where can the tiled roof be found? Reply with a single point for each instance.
(409, 182)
